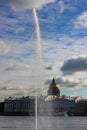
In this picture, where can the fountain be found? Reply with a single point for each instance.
(33, 4)
(38, 59)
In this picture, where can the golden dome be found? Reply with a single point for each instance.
(53, 88)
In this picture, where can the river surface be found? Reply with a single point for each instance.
(44, 123)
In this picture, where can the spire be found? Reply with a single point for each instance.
(53, 81)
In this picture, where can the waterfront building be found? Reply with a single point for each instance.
(54, 105)
(23, 105)
(8, 105)
(41, 105)
(32, 106)
(72, 107)
(80, 107)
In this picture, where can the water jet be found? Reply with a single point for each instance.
(38, 59)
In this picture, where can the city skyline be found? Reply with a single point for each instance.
(63, 26)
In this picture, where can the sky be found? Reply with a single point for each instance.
(63, 27)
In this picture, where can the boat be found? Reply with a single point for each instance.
(62, 114)
(58, 114)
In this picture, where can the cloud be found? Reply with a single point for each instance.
(26, 4)
(68, 82)
(10, 87)
(65, 82)
(81, 21)
(49, 67)
(13, 91)
(65, 5)
(17, 67)
(61, 6)
(4, 48)
(84, 82)
(74, 65)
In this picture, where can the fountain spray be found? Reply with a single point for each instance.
(38, 59)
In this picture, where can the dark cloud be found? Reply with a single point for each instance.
(49, 67)
(74, 65)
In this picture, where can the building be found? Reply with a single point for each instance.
(80, 106)
(41, 105)
(20, 106)
(1, 108)
(53, 89)
(52, 104)
(55, 105)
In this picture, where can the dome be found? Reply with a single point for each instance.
(53, 88)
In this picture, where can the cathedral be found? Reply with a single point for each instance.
(53, 89)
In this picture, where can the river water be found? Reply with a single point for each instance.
(44, 123)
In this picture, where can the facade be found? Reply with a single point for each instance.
(46, 106)
(23, 105)
(41, 105)
(80, 108)
(53, 106)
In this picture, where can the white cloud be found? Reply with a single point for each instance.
(66, 81)
(4, 48)
(26, 4)
(65, 5)
(81, 21)
(13, 90)
(61, 6)
(19, 30)
(84, 82)
(11, 87)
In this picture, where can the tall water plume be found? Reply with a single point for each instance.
(38, 59)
